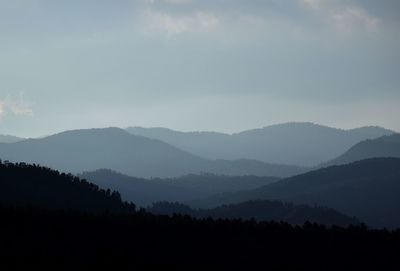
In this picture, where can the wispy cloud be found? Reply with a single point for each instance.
(344, 17)
(16, 105)
(174, 2)
(174, 24)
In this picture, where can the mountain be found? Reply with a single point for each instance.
(9, 139)
(88, 150)
(190, 187)
(29, 185)
(260, 210)
(304, 144)
(386, 146)
(367, 189)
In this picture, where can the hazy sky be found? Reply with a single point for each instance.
(224, 65)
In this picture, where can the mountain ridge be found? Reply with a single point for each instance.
(366, 189)
(295, 143)
(385, 146)
(82, 150)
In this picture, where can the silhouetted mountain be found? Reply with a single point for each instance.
(9, 139)
(147, 191)
(386, 146)
(30, 185)
(304, 144)
(367, 189)
(260, 210)
(88, 150)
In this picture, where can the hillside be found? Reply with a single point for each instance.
(386, 146)
(9, 139)
(88, 150)
(303, 144)
(99, 231)
(366, 189)
(189, 187)
(260, 210)
(30, 185)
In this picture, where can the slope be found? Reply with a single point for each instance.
(367, 189)
(189, 187)
(386, 146)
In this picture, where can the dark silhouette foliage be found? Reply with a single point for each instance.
(261, 210)
(22, 184)
(70, 224)
(68, 240)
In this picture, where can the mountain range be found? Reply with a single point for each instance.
(23, 185)
(367, 189)
(144, 192)
(113, 148)
(303, 144)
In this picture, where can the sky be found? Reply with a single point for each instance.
(222, 65)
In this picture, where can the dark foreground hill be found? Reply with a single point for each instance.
(34, 239)
(386, 146)
(29, 185)
(112, 235)
(367, 189)
(88, 150)
(304, 144)
(260, 210)
(189, 187)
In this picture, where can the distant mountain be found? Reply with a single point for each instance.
(386, 146)
(367, 189)
(303, 144)
(88, 150)
(190, 187)
(261, 210)
(9, 139)
(29, 185)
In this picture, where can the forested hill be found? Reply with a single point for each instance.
(22, 184)
(47, 239)
(261, 210)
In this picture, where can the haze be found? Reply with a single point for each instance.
(197, 65)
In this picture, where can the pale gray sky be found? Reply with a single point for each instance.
(223, 65)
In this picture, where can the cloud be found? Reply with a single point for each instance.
(351, 19)
(344, 17)
(174, 2)
(174, 24)
(15, 105)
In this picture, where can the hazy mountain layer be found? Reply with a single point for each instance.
(9, 139)
(88, 150)
(386, 146)
(367, 189)
(304, 144)
(147, 191)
